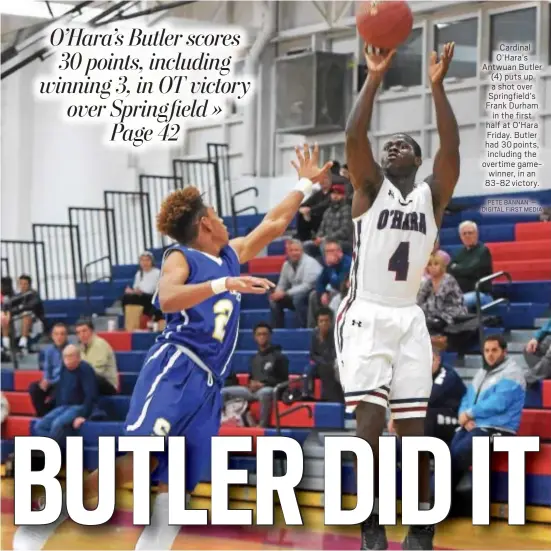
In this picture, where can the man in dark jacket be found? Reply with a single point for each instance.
(75, 397)
(311, 211)
(269, 367)
(471, 263)
(42, 392)
(323, 357)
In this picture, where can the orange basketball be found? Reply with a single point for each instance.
(384, 25)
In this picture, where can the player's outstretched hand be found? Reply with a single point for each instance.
(306, 164)
(378, 61)
(439, 68)
(249, 285)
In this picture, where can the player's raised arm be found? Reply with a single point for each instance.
(445, 172)
(176, 295)
(278, 219)
(365, 173)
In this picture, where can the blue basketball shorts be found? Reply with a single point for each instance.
(175, 397)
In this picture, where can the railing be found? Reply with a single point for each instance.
(27, 257)
(219, 153)
(235, 211)
(481, 309)
(63, 262)
(132, 213)
(98, 230)
(204, 176)
(278, 390)
(157, 188)
(88, 283)
(5, 267)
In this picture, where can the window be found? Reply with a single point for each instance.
(407, 65)
(513, 27)
(464, 34)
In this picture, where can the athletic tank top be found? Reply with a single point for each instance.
(210, 328)
(393, 241)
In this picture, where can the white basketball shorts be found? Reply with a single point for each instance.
(384, 356)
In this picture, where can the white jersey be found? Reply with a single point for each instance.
(393, 241)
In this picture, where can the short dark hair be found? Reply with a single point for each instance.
(416, 147)
(27, 278)
(60, 324)
(85, 321)
(500, 339)
(325, 311)
(262, 325)
(180, 213)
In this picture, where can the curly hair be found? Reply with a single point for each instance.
(180, 214)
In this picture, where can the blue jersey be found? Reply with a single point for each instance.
(210, 329)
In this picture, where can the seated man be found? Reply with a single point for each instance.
(538, 355)
(99, 354)
(492, 405)
(76, 395)
(311, 211)
(335, 271)
(323, 357)
(42, 392)
(297, 279)
(27, 311)
(269, 367)
(471, 263)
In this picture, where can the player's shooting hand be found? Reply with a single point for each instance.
(378, 61)
(249, 285)
(307, 161)
(439, 68)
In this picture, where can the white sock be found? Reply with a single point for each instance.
(158, 535)
(6, 343)
(23, 342)
(27, 538)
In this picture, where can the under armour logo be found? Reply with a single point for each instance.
(358, 323)
(391, 193)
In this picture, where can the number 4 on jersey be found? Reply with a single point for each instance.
(399, 262)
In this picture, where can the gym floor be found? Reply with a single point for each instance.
(120, 534)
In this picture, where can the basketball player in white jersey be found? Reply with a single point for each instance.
(383, 345)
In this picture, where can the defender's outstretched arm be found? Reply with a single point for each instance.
(278, 219)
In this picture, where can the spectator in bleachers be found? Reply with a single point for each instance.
(137, 300)
(323, 357)
(269, 367)
(442, 254)
(491, 406)
(5, 408)
(344, 172)
(440, 297)
(297, 279)
(75, 397)
(471, 263)
(99, 354)
(42, 392)
(27, 310)
(336, 224)
(311, 211)
(538, 355)
(335, 271)
(339, 297)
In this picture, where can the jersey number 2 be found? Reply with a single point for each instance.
(399, 261)
(222, 312)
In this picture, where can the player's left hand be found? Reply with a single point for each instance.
(307, 161)
(439, 68)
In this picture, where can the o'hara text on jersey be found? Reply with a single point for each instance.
(399, 220)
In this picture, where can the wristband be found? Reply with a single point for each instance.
(218, 286)
(304, 185)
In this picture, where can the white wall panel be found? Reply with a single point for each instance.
(299, 14)
(463, 101)
(400, 114)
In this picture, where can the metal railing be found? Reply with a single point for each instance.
(219, 153)
(26, 257)
(88, 283)
(5, 267)
(204, 176)
(62, 258)
(236, 212)
(481, 309)
(132, 214)
(157, 188)
(97, 230)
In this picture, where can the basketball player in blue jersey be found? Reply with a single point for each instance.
(178, 389)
